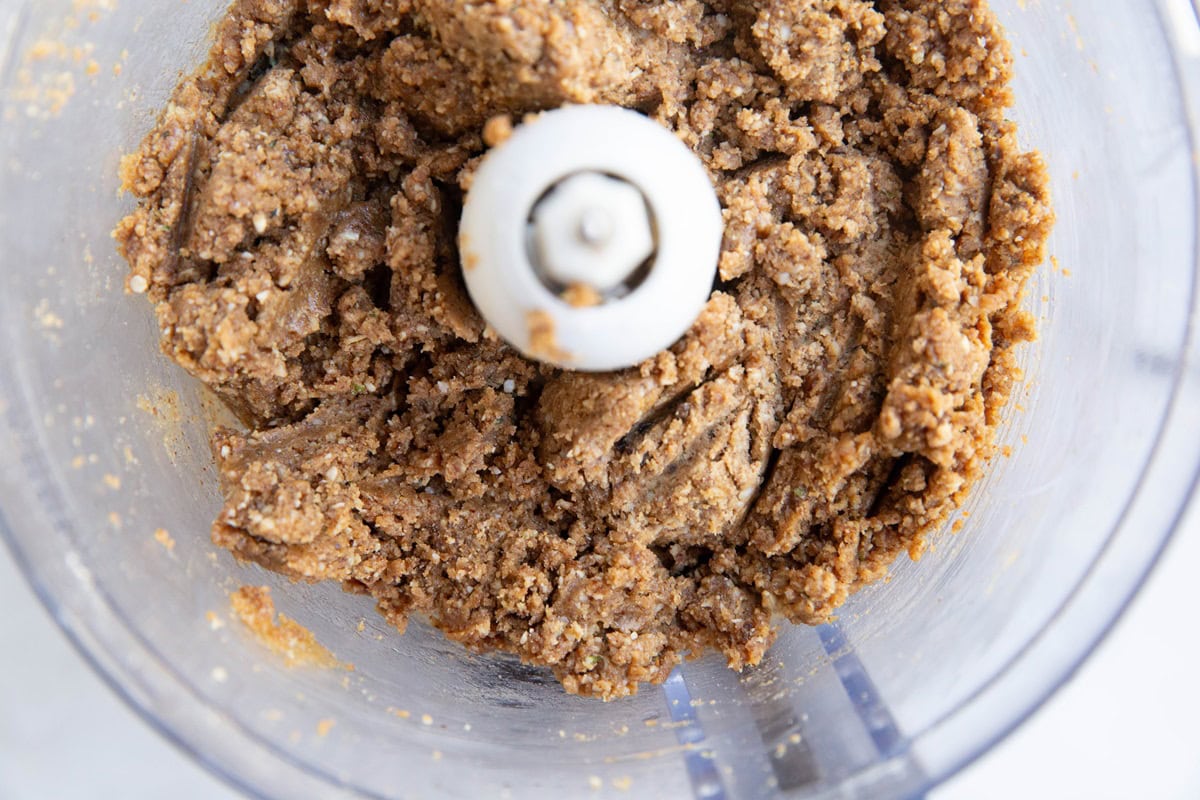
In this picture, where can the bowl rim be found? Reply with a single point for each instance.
(1087, 615)
(1091, 599)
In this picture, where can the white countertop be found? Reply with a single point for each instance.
(1125, 727)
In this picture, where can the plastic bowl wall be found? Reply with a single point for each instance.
(102, 442)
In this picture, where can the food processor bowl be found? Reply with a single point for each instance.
(107, 486)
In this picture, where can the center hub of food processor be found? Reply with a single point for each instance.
(590, 238)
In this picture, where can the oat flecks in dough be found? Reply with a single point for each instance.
(834, 403)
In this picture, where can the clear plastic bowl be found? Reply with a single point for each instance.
(102, 442)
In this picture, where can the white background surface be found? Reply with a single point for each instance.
(1125, 727)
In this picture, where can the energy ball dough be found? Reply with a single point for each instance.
(834, 403)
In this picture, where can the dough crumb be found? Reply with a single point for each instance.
(497, 130)
(163, 537)
(542, 339)
(581, 295)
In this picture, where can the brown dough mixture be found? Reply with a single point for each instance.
(834, 404)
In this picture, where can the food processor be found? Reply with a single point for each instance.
(107, 488)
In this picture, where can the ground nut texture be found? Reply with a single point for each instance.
(835, 402)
